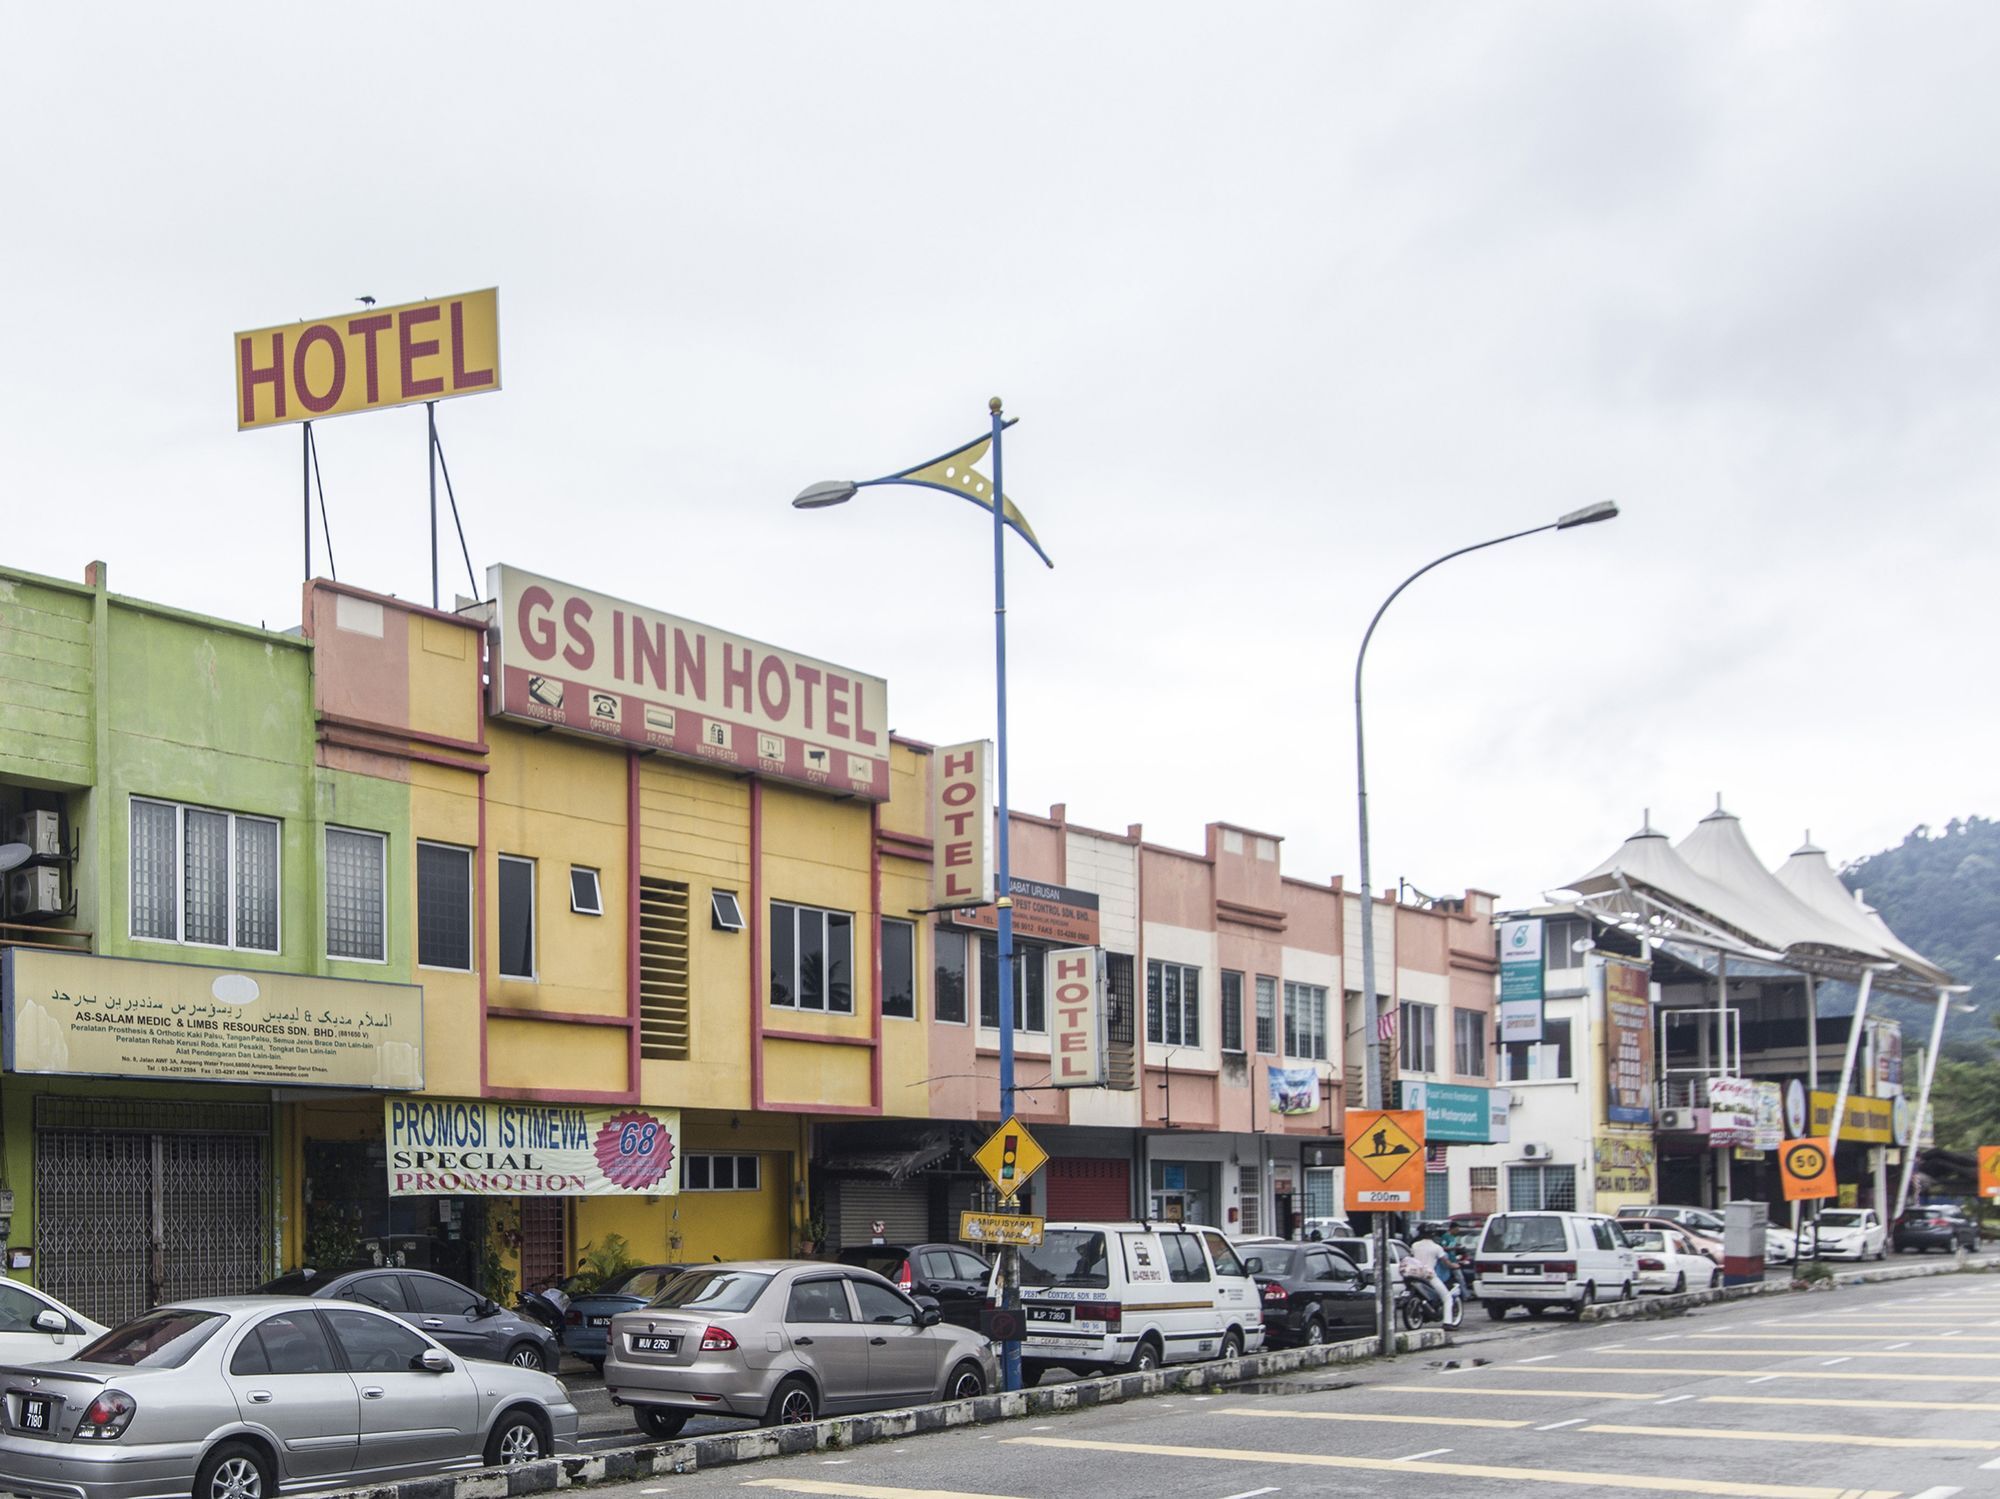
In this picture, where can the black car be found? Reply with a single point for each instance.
(1939, 1227)
(955, 1278)
(463, 1320)
(1312, 1293)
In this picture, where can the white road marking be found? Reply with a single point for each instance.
(1767, 1378)
(1673, 1400)
(1253, 1493)
(1417, 1457)
(1940, 1492)
(1894, 1346)
(1952, 1334)
(1540, 1358)
(835, 1462)
(1559, 1425)
(1664, 1337)
(1991, 1467)
(1828, 1363)
(1041, 1428)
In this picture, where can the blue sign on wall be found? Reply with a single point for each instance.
(1453, 1113)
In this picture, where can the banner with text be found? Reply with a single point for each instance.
(1628, 1041)
(962, 825)
(1521, 992)
(442, 1147)
(1293, 1090)
(1044, 913)
(1076, 1025)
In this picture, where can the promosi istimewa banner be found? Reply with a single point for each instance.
(442, 1146)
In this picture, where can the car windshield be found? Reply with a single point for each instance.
(644, 1282)
(717, 1289)
(165, 1338)
(1276, 1259)
(1358, 1250)
(1532, 1233)
(881, 1258)
(1840, 1218)
(1067, 1257)
(1645, 1238)
(299, 1283)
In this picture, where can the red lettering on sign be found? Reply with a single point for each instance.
(1073, 1041)
(809, 678)
(862, 733)
(955, 884)
(958, 793)
(690, 665)
(776, 705)
(837, 688)
(957, 853)
(415, 349)
(736, 678)
(319, 333)
(531, 620)
(649, 647)
(961, 765)
(958, 820)
(370, 328)
(1072, 968)
(461, 377)
(272, 375)
(581, 650)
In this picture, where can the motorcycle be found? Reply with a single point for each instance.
(546, 1305)
(1414, 1309)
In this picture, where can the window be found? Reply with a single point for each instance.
(517, 917)
(1030, 985)
(164, 1338)
(586, 897)
(385, 1291)
(356, 895)
(812, 958)
(374, 1344)
(444, 907)
(899, 970)
(289, 1343)
(1305, 1021)
(437, 1297)
(18, 1310)
(1226, 1262)
(204, 878)
(1418, 1026)
(1600, 1229)
(1184, 1258)
(1173, 1003)
(948, 976)
(818, 1301)
(724, 914)
(1267, 1015)
(1560, 934)
(1232, 1011)
(1551, 1188)
(1538, 1061)
(880, 1304)
(1468, 1042)
(721, 1173)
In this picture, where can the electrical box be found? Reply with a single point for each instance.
(34, 891)
(41, 831)
(1743, 1229)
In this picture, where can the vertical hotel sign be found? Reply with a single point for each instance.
(368, 360)
(1076, 1031)
(564, 657)
(1521, 980)
(1628, 1042)
(962, 818)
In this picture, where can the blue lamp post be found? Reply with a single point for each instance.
(953, 474)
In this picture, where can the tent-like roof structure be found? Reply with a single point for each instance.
(1718, 850)
(1809, 876)
(1646, 865)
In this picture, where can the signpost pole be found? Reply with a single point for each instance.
(306, 490)
(431, 453)
(1010, 1351)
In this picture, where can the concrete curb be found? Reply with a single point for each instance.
(649, 1459)
(1668, 1306)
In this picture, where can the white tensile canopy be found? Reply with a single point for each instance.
(1809, 877)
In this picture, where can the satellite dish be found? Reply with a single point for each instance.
(14, 855)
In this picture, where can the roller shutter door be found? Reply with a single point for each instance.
(1088, 1189)
(856, 1203)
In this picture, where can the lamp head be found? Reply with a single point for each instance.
(1588, 515)
(827, 492)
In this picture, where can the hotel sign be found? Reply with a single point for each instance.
(962, 812)
(567, 658)
(77, 1015)
(1076, 1025)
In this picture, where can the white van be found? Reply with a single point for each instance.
(1540, 1260)
(1134, 1296)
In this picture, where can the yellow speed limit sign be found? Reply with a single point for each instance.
(1807, 1166)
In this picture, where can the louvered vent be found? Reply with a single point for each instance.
(663, 970)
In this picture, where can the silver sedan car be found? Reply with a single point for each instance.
(784, 1341)
(238, 1397)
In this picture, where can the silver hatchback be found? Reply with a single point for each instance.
(783, 1341)
(239, 1397)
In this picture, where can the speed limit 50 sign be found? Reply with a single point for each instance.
(1807, 1166)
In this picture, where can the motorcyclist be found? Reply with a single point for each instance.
(1437, 1267)
(1419, 1277)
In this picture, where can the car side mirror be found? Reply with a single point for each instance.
(1254, 1265)
(48, 1319)
(432, 1361)
(485, 1307)
(928, 1314)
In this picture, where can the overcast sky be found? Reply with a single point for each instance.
(1288, 300)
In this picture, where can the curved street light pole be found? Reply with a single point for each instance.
(1371, 1075)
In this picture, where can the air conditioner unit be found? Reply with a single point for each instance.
(41, 831)
(1534, 1150)
(1677, 1120)
(34, 891)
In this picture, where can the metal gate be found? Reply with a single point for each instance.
(131, 1212)
(541, 1241)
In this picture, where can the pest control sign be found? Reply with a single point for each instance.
(442, 1147)
(1807, 1166)
(1385, 1160)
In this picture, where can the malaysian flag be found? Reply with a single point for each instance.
(1385, 1025)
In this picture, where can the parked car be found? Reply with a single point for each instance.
(1781, 1245)
(1311, 1294)
(1847, 1234)
(1135, 1296)
(1542, 1259)
(1940, 1226)
(954, 1278)
(1697, 1220)
(783, 1342)
(1710, 1245)
(238, 1397)
(1327, 1228)
(35, 1328)
(461, 1319)
(587, 1318)
(1669, 1262)
(1362, 1252)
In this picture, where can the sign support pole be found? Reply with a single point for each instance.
(1010, 1351)
(306, 490)
(431, 455)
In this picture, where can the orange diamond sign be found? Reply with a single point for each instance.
(1989, 1171)
(1385, 1159)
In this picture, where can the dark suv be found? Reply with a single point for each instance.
(955, 1278)
(461, 1319)
(1940, 1227)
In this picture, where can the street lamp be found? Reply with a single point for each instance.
(1371, 1036)
(953, 473)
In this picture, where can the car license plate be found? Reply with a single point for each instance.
(643, 1344)
(597, 1321)
(1524, 1269)
(1052, 1314)
(35, 1412)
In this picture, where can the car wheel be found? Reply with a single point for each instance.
(1315, 1333)
(1588, 1298)
(527, 1356)
(658, 1422)
(235, 1470)
(1626, 1293)
(792, 1404)
(518, 1437)
(1232, 1345)
(1715, 1277)
(1145, 1356)
(1537, 1308)
(596, 1366)
(967, 1382)
(1497, 1310)
(1681, 1284)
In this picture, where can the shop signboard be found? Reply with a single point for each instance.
(1628, 1042)
(1623, 1166)
(564, 657)
(962, 813)
(445, 1147)
(1453, 1114)
(1770, 1116)
(1885, 1044)
(79, 1015)
(1867, 1121)
(1732, 1112)
(1293, 1090)
(1076, 1017)
(1043, 912)
(368, 360)
(1521, 992)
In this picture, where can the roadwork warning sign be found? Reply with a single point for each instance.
(1385, 1160)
